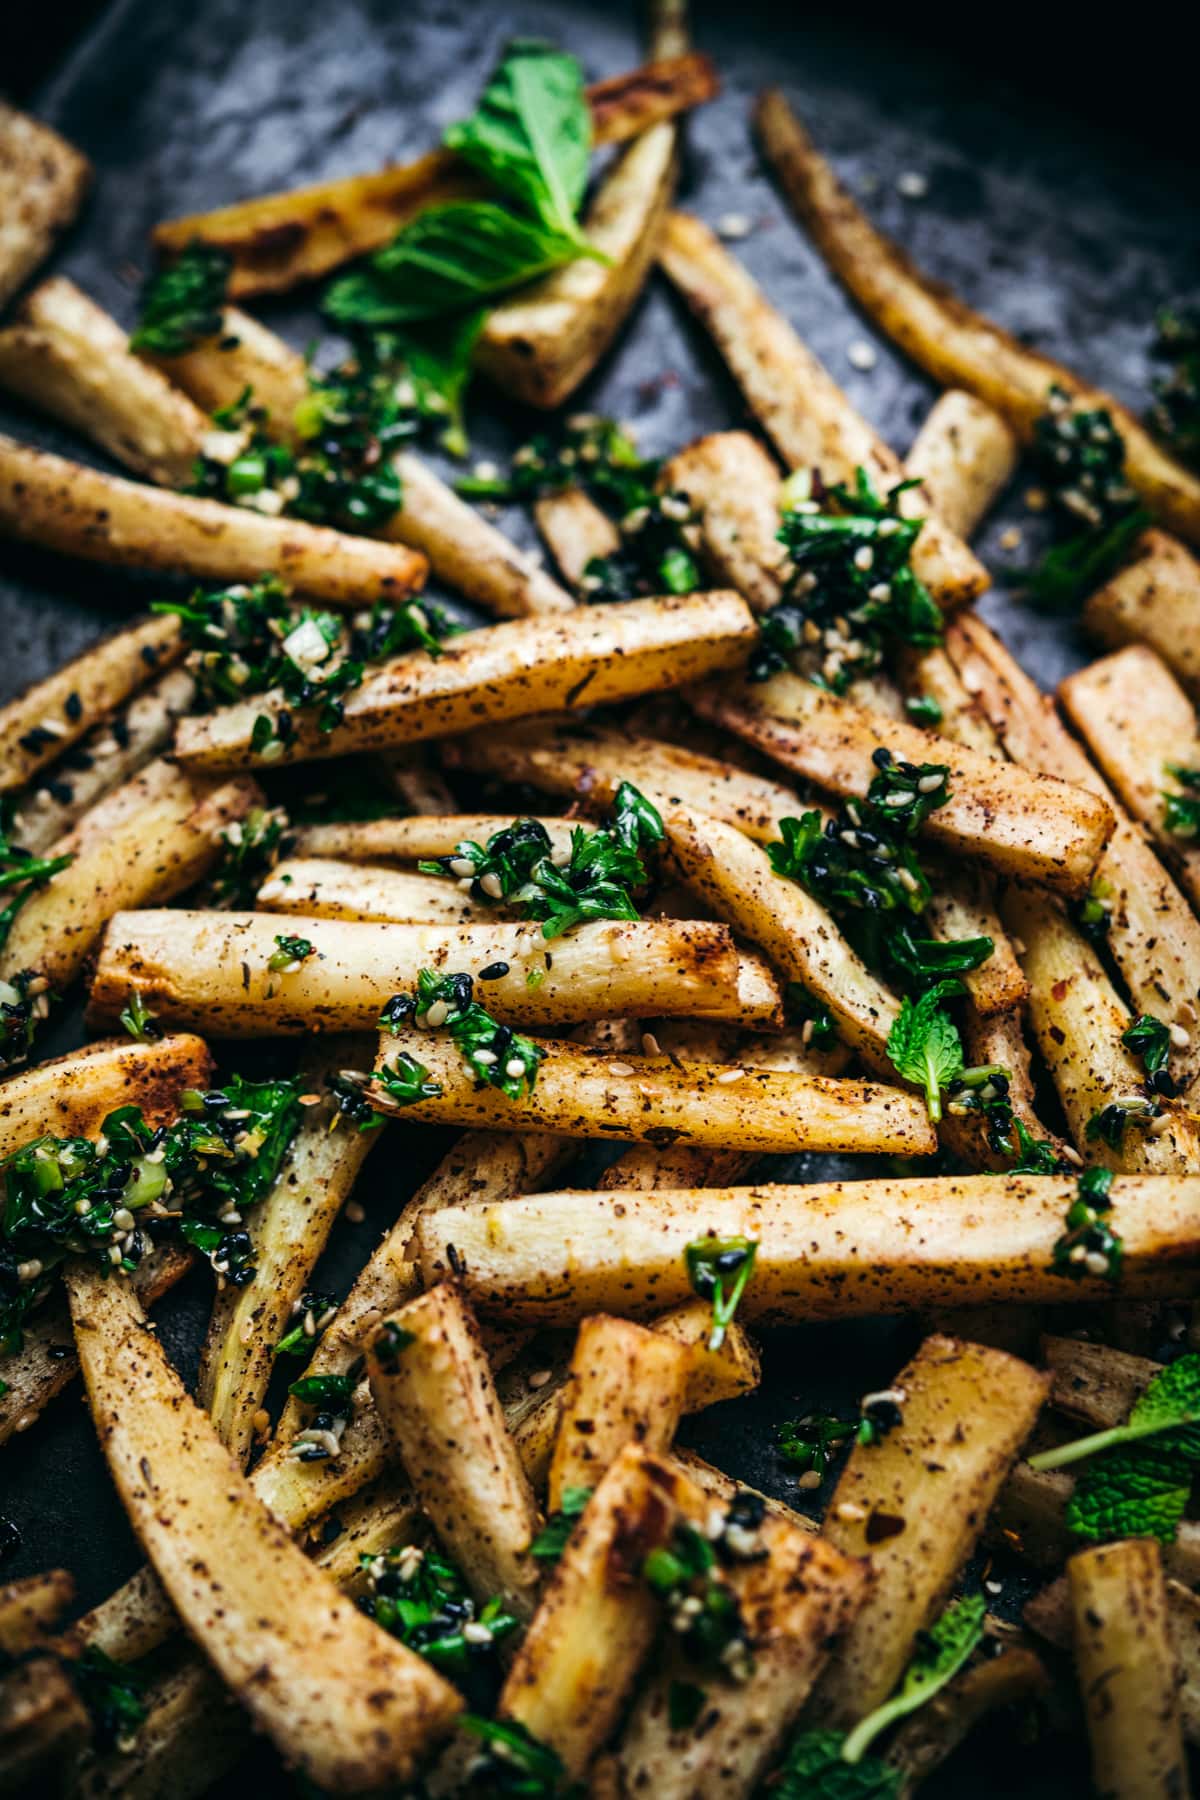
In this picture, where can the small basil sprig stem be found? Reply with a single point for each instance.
(1063, 1455)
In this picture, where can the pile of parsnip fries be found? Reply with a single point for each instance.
(794, 883)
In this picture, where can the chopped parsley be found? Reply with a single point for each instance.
(702, 1608)
(24, 1001)
(657, 530)
(939, 1654)
(290, 954)
(813, 1768)
(21, 873)
(514, 1763)
(250, 848)
(1150, 1040)
(407, 1082)
(1137, 1477)
(137, 1018)
(555, 1534)
(108, 1199)
(851, 592)
(1175, 415)
(810, 1442)
(1089, 1246)
(184, 302)
(314, 1313)
(517, 867)
(1181, 811)
(494, 1053)
(1080, 456)
(718, 1270)
(419, 1597)
(114, 1695)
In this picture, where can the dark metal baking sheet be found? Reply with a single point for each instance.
(1066, 232)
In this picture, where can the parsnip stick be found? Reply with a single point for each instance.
(43, 180)
(803, 411)
(1128, 1676)
(288, 1229)
(1094, 1383)
(575, 530)
(434, 1389)
(68, 507)
(963, 906)
(109, 755)
(351, 1705)
(712, 1375)
(733, 485)
(49, 717)
(30, 1608)
(1078, 1018)
(958, 347)
(326, 889)
(1030, 1518)
(625, 1385)
(279, 240)
(596, 1623)
(795, 1598)
(1017, 823)
(1154, 600)
(998, 1040)
(509, 671)
(146, 842)
(656, 1101)
(482, 1165)
(1136, 719)
(592, 761)
(734, 876)
(1152, 933)
(414, 840)
(212, 967)
(42, 1723)
(67, 357)
(827, 1250)
(416, 783)
(915, 1503)
(245, 353)
(70, 1095)
(965, 455)
(540, 345)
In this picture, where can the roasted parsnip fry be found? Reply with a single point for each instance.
(733, 486)
(591, 655)
(575, 530)
(963, 906)
(193, 1733)
(1128, 1676)
(29, 1609)
(647, 1166)
(625, 1385)
(67, 357)
(1078, 1018)
(46, 1362)
(434, 1390)
(49, 717)
(289, 1229)
(348, 1703)
(915, 1503)
(1137, 720)
(43, 180)
(801, 408)
(410, 774)
(147, 842)
(592, 761)
(213, 967)
(70, 1095)
(582, 1652)
(43, 1723)
(795, 1597)
(1094, 1383)
(540, 345)
(1020, 824)
(110, 754)
(826, 1250)
(957, 346)
(734, 876)
(998, 1040)
(925, 1740)
(1152, 933)
(415, 839)
(325, 889)
(655, 1100)
(279, 240)
(1153, 599)
(68, 507)
(965, 455)
(713, 1375)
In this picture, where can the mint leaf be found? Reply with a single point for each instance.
(813, 1768)
(924, 1045)
(531, 134)
(939, 1654)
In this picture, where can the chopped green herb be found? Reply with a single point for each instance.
(818, 1023)
(1080, 456)
(137, 1018)
(1175, 415)
(1108, 1124)
(419, 1597)
(348, 1088)
(113, 1694)
(332, 1393)
(407, 1081)
(923, 709)
(814, 1768)
(290, 954)
(810, 1442)
(1138, 1477)
(940, 1653)
(552, 1539)
(494, 1053)
(1089, 1246)
(516, 1763)
(250, 848)
(712, 1634)
(1093, 914)
(1150, 1041)
(21, 873)
(391, 1340)
(1181, 813)
(183, 303)
(313, 1312)
(711, 1263)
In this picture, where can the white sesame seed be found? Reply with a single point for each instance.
(732, 226)
(491, 885)
(1180, 1038)
(864, 556)
(437, 1014)
(728, 1075)
(650, 1044)
(929, 784)
(620, 1068)
(1097, 1264)
(486, 1057)
(462, 867)
(514, 1068)
(861, 355)
(1072, 1155)
(912, 184)
(811, 1478)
